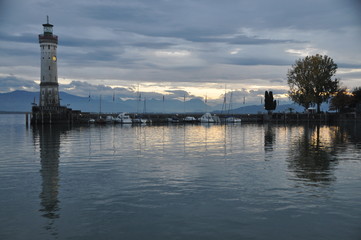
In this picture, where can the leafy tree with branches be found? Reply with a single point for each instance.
(310, 80)
(269, 103)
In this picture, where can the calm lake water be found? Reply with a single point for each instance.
(242, 181)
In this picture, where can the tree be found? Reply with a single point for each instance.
(310, 80)
(269, 103)
(356, 93)
(342, 101)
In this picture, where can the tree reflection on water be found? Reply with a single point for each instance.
(269, 137)
(269, 141)
(312, 157)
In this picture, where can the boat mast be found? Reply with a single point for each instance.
(206, 103)
(100, 104)
(145, 106)
(184, 103)
(224, 105)
(230, 103)
(138, 99)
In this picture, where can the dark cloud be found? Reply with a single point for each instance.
(178, 94)
(93, 55)
(86, 42)
(199, 20)
(19, 38)
(11, 83)
(123, 13)
(15, 52)
(245, 40)
(305, 15)
(348, 65)
(84, 89)
(21, 46)
(152, 45)
(277, 81)
(258, 61)
(240, 39)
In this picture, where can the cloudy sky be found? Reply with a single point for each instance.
(173, 47)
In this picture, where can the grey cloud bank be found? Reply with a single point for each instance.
(194, 47)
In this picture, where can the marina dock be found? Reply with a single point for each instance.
(69, 116)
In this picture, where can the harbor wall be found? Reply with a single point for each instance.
(63, 115)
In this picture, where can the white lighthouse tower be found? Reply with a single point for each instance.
(49, 87)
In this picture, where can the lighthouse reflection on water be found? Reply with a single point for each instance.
(48, 139)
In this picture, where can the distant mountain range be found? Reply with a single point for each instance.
(21, 101)
(254, 109)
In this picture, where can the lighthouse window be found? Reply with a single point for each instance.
(49, 67)
(48, 46)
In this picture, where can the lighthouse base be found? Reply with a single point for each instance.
(53, 115)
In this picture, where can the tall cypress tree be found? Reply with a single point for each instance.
(269, 103)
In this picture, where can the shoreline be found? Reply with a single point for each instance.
(79, 118)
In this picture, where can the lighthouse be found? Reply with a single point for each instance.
(49, 110)
(49, 87)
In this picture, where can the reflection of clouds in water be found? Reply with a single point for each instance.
(157, 147)
(171, 173)
(192, 138)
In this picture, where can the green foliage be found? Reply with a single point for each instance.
(310, 80)
(269, 103)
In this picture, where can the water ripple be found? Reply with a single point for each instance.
(180, 182)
